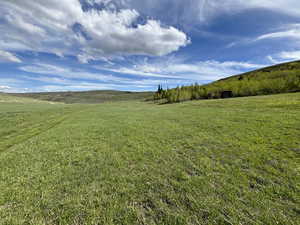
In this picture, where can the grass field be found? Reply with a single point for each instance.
(86, 97)
(233, 161)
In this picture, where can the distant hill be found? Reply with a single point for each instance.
(8, 98)
(282, 78)
(88, 97)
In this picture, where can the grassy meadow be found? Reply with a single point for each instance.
(86, 97)
(224, 161)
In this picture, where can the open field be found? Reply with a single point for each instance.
(233, 161)
(86, 97)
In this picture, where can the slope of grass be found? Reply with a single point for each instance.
(233, 161)
(8, 98)
(283, 78)
(87, 97)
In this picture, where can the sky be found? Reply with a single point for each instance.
(134, 45)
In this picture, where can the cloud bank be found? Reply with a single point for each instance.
(62, 27)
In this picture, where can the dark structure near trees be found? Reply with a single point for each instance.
(226, 94)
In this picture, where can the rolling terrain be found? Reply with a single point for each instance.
(281, 78)
(223, 161)
(86, 97)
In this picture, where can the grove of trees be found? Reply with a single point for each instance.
(255, 83)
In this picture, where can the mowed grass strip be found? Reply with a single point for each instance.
(232, 161)
(19, 122)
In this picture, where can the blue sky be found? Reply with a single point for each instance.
(63, 45)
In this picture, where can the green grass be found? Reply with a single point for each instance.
(87, 97)
(233, 161)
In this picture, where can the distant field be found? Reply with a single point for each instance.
(214, 162)
(87, 97)
(8, 98)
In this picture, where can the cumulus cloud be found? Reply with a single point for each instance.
(115, 27)
(8, 57)
(112, 33)
(62, 27)
(110, 28)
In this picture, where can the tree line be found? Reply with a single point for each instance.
(251, 84)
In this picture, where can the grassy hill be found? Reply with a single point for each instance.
(217, 162)
(22, 99)
(271, 70)
(282, 78)
(87, 97)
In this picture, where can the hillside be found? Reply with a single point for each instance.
(8, 98)
(282, 78)
(88, 97)
(285, 71)
(133, 163)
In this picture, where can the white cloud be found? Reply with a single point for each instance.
(135, 71)
(57, 84)
(48, 26)
(62, 75)
(8, 57)
(210, 70)
(285, 56)
(171, 71)
(66, 84)
(189, 12)
(176, 68)
(12, 85)
(2, 87)
(293, 55)
(68, 72)
(290, 7)
(141, 75)
(290, 31)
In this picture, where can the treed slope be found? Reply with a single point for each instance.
(284, 71)
(282, 78)
(271, 70)
(87, 96)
